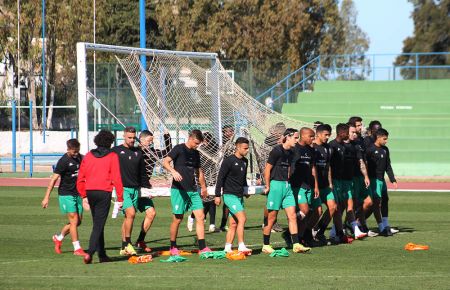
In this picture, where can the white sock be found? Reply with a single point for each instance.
(59, 237)
(241, 246)
(76, 245)
(190, 219)
(356, 229)
(385, 222)
(228, 247)
(380, 227)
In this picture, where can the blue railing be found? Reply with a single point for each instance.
(357, 67)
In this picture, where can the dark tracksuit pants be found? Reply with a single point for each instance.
(100, 202)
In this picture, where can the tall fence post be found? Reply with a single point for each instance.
(287, 85)
(417, 66)
(31, 138)
(13, 117)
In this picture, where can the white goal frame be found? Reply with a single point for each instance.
(83, 47)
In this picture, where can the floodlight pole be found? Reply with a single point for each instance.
(142, 44)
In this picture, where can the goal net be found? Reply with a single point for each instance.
(181, 91)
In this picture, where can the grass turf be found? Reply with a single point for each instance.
(27, 259)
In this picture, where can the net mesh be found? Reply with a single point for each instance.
(177, 94)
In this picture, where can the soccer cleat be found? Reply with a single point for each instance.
(87, 259)
(360, 235)
(386, 232)
(299, 248)
(320, 237)
(190, 224)
(394, 231)
(212, 228)
(372, 234)
(277, 228)
(58, 244)
(79, 252)
(205, 250)
(246, 251)
(142, 246)
(128, 251)
(267, 249)
(174, 251)
(344, 239)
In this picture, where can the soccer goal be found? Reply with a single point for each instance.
(179, 91)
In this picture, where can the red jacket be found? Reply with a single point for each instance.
(100, 170)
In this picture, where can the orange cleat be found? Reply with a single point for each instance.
(416, 247)
(79, 252)
(58, 244)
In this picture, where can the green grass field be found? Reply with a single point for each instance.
(27, 259)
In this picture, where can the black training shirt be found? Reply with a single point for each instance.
(232, 176)
(67, 167)
(281, 160)
(132, 167)
(302, 167)
(185, 161)
(322, 156)
(379, 162)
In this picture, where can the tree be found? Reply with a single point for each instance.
(431, 34)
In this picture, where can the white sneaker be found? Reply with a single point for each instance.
(212, 228)
(190, 224)
(246, 251)
(394, 231)
(371, 234)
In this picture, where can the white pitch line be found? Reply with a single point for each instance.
(20, 261)
(214, 276)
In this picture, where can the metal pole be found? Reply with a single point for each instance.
(18, 64)
(417, 66)
(13, 116)
(31, 139)
(142, 44)
(44, 86)
(83, 133)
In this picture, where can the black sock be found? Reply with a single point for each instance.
(294, 238)
(265, 221)
(141, 237)
(201, 244)
(173, 244)
(307, 235)
(267, 239)
(124, 244)
(128, 240)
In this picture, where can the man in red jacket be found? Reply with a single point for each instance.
(99, 173)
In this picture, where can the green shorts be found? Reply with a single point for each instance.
(183, 201)
(280, 195)
(234, 203)
(131, 199)
(326, 194)
(359, 188)
(70, 204)
(303, 195)
(377, 186)
(342, 189)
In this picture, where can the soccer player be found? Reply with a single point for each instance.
(370, 138)
(231, 182)
(99, 173)
(343, 157)
(183, 194)
(150, 155)
(322, 153)
(227, 137)
(279, 192)
(70, 202)
(379, 162)
(134, 176)
(361, 197)
(304, 185)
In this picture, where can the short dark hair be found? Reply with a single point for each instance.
(381, 132)
(341, 127)
(104, 138)
(196, 134)
(374, 124)
(323, 127)
(129, 129)
(145, 133)
(241, 140)
(317, 124)
(73, 144)
(289, 132)
(353, 120)
(350, 124)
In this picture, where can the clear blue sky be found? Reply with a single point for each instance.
(387, 23)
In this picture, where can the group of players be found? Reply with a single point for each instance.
(302, 172)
